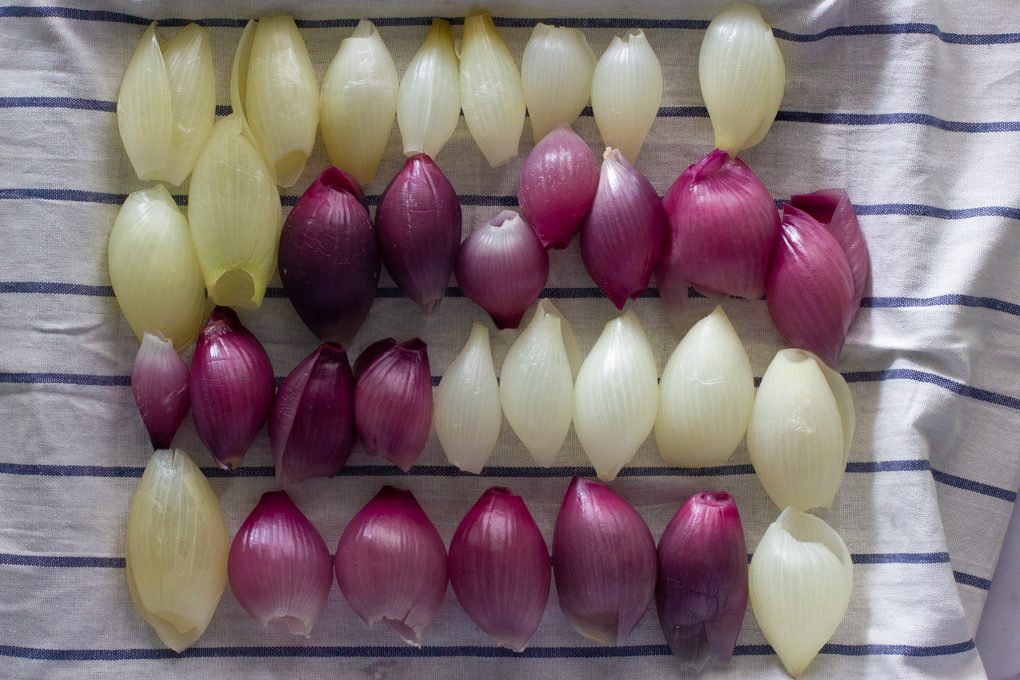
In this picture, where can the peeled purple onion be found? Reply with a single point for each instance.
(723, 228)
(557, 186)
(503, 267)
(419, 223)
(329, 257)
(623, 237)
(393, 401)
(499, 568)
(604, 562)
(391, 564)
(811, 294)
(701, 591)
(232, 385)
(279, 566)
(159, 384)
(312, 425)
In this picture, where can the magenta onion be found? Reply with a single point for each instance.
(557, 185)
(159, 384)
(701, 590)
(393, 401)
(419, 223)
(231, 384)
(603, 561)
(391, 564)
(279, 566)
(499, 568)
(723, 227)
(329, 258)
(623, 237)
(503, 268)
(811, 296)
(312, 428)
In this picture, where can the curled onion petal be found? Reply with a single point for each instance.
(499, 568)
(391, 564)
(810, 291)
(428, 102)
(159, 383)
(393, 402)
(279, 565)
(556, 70)
(329, 257)
(503, 268)
(557, 185)
(701, 594)
(604, 562)
(311, 429)
(232, 385)
(370, 354)
(723, 229)
(623, 237)
(418, 223)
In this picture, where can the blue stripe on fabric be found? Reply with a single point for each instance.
(949, 299)
(920, 210)
(975, 487)
(900, 558)
(87, 379)
(902, 29)
(972, 580)
(77, 103)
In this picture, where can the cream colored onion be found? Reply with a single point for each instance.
(428, 102)
(556, 71)
(272, 85)
(801, 576)
(536, 386)
(800, 430)
(466, 412)
(235, 214)
(616, 396)
(176, 549)
(167, 103)
(706, 394)
(626, 91)
(490, 90)
(742, 76)
(154, 270)
(359, 102)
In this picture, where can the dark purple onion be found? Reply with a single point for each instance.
(159, 384)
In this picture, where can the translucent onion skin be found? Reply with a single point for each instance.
(557, 185)
(418, 224)
(391, 564)
(176, 549)
(329, 257)
(232, 386)
(428, 102)
(623, 237)
(723, 229)
(500, 569)
(279, 566)
(393, 401)
(604, 561)
(503, 267)
(311, 428)
(159, 384)
(556, 70)
(811, 296)
(626, 90)
(701, 594)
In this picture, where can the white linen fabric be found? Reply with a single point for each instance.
(909, 105)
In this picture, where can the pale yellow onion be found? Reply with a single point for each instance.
(273, 86)
(359, 102)
(154, 270)
(145, 109)
(626, 91)
(176, 549)
(490, 90)
(466, 412)
(616, 396)
(801, 576)
(428, 102)
(235, 214)
(536, 386)
(556, 71)
(706, 394)
(800, 429)
(189, 65)
(742, 76)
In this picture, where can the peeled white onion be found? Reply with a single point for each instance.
(626, 91)
(428, 102)
(556, 71)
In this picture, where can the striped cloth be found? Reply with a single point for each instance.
(910, 105)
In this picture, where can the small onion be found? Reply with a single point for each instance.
(159, 384)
